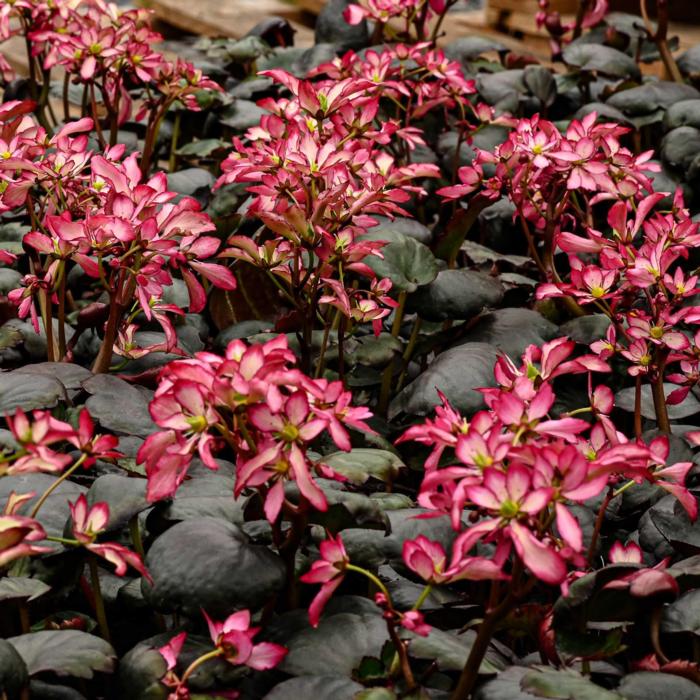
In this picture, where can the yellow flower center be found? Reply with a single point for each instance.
(197, 423)
(290, 433)
(509, 509)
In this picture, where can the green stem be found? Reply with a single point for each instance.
(422, 597)
(624, 488)
(63, 540)
(172, 162)
(66, 101)
(62, 315)
(322, 354)
(374, 579)
(99, 600)
(135, 532)
(387, 377)
(104, 356)
(600, 518)
(657, 391)
(638, 407)
(46, 309)
(404, 662)
(25, 622)
(470, 672)
(55, 485)
(408, 352)
(198, 662)
(288, 552)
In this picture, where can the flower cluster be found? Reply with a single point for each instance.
(39, 440)
(519, 470)
(538, 167)
(125, 232)
(635, 276)
(318, 174)
(233, 641)
(593, 13)
(330, 157)
(416, 79)
(390, 15)
(554, 179)
(257, 402)
(89, 522)
(108, 50)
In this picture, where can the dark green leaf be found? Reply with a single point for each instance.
(540, 82)
(451, 651)
(680, 146)
(647, 685)
(564, 684)
(683, 113)
(125, 496)
(361, 463)
(14, 677)
(406, 262)
(22, 588)
(337, 646)
(456, 294)
(315, 688)
(651, 97)
(25, 390)
(65, 653)
(374, 351)
(202, 148)
(512, 330)
(209, 563)
(597, 58)
(624, 399)
(457, 373)
(118, 406)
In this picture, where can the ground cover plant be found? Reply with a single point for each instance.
(369, 370)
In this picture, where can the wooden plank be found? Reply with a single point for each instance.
(531, 7)
(227, 18)
(312, 6)
(15, 52)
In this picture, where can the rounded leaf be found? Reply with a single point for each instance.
(651, 97)
(316, 687)
(596, 58)
(458, 372)
(648, 685)
(407, 262)
(65, 653)
(28, 391)
(456, 295)
(361, 463)
(14, 676)
(125, 497)
(209, 563)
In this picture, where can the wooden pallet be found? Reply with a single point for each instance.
(495, 8)
(513, 23)
(228, 18)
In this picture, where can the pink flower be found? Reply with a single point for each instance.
(19, 532)
(621, 554)
(428, 559)
(329, 571)
(414, 621)
(88, 523)
(234, 638)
